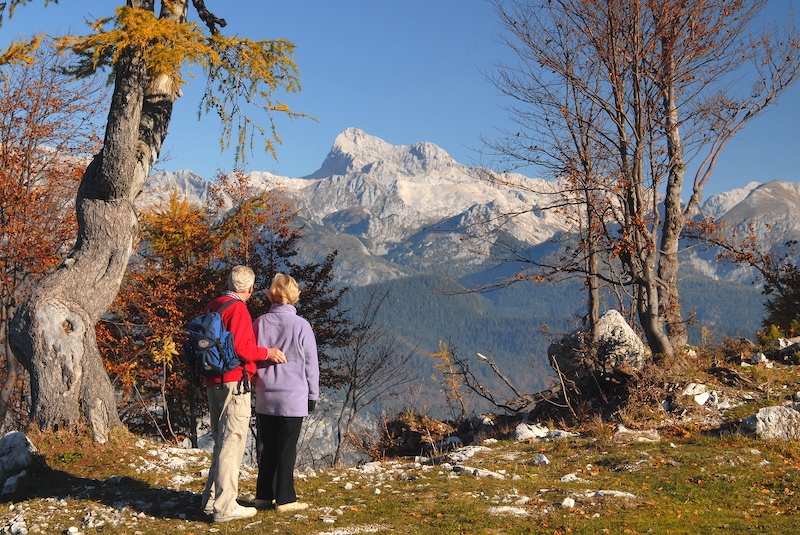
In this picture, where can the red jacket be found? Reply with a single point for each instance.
(238, 321)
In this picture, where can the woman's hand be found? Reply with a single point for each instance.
(275, 355)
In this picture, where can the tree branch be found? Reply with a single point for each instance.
(211, 20)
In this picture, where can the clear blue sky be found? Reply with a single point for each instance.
(403, 71)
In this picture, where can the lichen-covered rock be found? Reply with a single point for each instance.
(618, 346)
(16, 455)
(781, 422)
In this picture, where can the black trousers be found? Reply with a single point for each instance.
(279, 435)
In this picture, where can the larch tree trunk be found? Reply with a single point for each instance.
(53, 332)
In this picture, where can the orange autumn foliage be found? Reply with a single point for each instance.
(175, 272)
(47, 127)
(181, 263)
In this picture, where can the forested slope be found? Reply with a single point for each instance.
(507, 324)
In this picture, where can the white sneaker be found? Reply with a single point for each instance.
(291, 506)
(235, 514)
(209, 507)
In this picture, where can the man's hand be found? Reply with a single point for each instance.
(275, 355)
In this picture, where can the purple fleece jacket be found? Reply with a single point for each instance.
(284, 389)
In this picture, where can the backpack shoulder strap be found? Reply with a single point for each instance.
(226, 304)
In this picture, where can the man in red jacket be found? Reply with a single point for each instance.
(229, 400)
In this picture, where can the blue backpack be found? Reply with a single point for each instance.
(209, 349)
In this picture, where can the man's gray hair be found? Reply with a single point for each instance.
(241, 279)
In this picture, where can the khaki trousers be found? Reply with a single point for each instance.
(230, 421)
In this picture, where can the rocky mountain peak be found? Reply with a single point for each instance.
(355, 151)
(352, 150)
(773, 207)
(717, 205)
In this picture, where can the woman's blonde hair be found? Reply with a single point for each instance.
(284, 289)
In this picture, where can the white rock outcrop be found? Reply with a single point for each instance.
(780, 422)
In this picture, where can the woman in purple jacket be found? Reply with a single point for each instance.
(285, 394)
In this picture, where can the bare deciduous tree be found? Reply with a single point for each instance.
(373, 367)
(624, 94)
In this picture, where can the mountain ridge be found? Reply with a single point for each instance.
(403, 209)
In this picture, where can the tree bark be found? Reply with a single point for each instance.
(592, 262)
(650, 319)
(53, 332)
(53, 335)
(674, 220)
(12, 366)
(669, 298)
(642, 261)
(593, 283)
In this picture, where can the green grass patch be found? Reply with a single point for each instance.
(697, 484)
